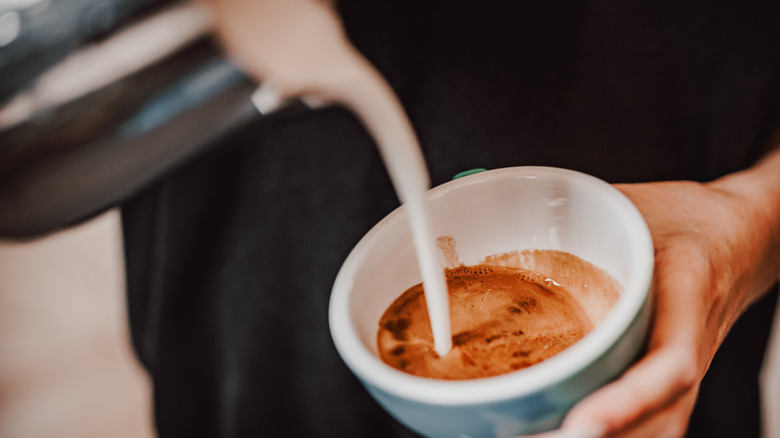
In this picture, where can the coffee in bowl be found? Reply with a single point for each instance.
(504, 318)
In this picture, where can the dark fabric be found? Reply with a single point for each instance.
(231, 259)
(729, 404)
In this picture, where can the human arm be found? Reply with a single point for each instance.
(717, 252)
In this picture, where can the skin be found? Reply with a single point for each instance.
(717, 252)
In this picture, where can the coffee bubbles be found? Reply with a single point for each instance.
(504, 318)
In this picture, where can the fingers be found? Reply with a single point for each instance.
(657, 382)
(655, 397)
(671, 422)
(670, 369)
(657, 394)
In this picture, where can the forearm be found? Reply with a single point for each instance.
(758, 189)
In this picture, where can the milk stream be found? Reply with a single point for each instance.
(303, 51)
(377, 106)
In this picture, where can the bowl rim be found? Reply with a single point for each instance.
(373, 371)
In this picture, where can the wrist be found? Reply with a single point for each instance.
(756, 192)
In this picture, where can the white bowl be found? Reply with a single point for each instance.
(488, 213)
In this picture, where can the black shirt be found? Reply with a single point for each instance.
(231, 258)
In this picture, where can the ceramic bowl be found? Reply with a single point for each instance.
(487, 213)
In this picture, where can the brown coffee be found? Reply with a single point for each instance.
(503, 319)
